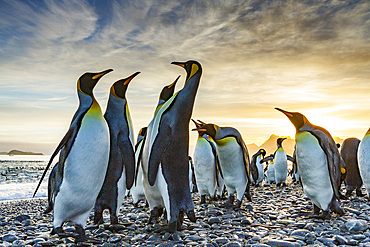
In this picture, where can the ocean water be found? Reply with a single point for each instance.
(20, 174)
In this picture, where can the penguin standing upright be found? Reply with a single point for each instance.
(281, 163)
(165, 154)
(319, 164)
(83, 161)
(121, 168)
(364, 161)
(138, 191)
(234, 161)
(353, 179)
(206, 165)
(269, 170)
(294, 172)
(256, 159)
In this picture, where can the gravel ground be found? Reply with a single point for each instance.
(276, 217)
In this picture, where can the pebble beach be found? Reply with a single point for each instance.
(277, 216)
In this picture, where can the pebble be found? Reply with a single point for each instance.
(275, 217)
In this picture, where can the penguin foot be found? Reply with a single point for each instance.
(335, 207)
(238, 204)
(115, 227)
(202, 199)
(191, 216)
(180, 220)
(155, 214)
(229, 203)
(172, 227)
(48, 209)
(113, 219)
(359, 193)
(323, 216)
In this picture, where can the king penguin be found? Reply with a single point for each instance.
(280, 162)
(165, 154)
(319, 164)
(256, 159)
(137, 190)
(364, 161)
(353, 179)
(206, 165)
(121, 168)
(234, 161)
(83, 161)
(269, 170)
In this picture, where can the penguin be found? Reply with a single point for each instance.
(269, 171)
(206, 165)
(165, 160)
(256, 159)
(363, 155)
(192, 180)
(319, 164)
(83, 161)
(234, 161)
(294, 172)
(138, 190)
(121, 168)
(352, 179)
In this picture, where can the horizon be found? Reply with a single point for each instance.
(310, 57)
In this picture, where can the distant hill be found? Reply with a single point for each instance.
(270, 145)
(18, 152)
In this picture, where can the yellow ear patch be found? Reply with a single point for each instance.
(78, 85)
(342, 170)
(194, 69)
(112, 91)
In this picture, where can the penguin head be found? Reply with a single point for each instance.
(262, 152)
(87, 81)
(142, 131)
(209, 129)
(192, 67)
(119, 88)
(197, 125)
(279, 141)
(168, 91)
(297, 119)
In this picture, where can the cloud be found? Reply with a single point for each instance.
(256, 55)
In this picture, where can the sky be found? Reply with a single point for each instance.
(307, 56)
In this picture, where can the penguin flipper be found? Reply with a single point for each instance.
(65, 144)
(290, 158)
(332, 155)
(128, 158)
(159, 145)
(217, 161)
(246, 160)
(139, 148)
(268, 158)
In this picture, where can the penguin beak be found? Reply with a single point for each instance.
(99, 75)
(199, 129)
(174, 83)
(179, 64)
(130, 78)
(288, 114)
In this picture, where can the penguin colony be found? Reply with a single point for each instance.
(99, 162)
